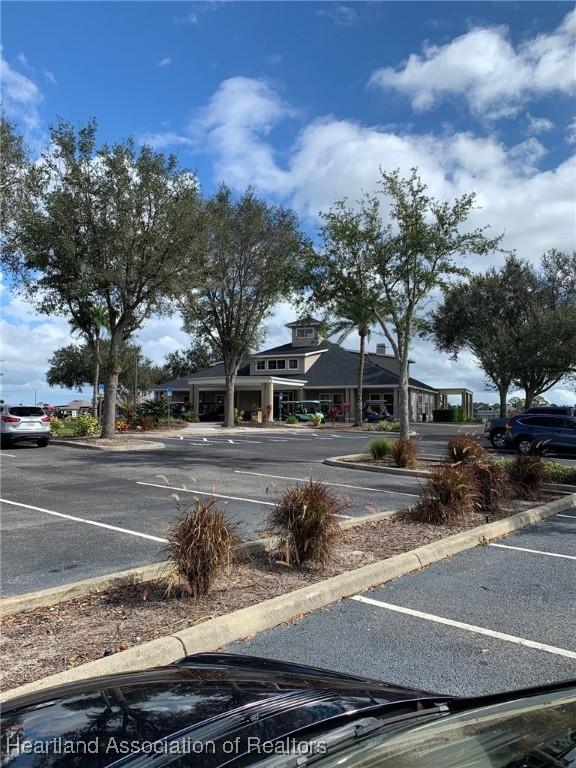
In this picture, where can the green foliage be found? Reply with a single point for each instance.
(201, 545)
(448, 498)
(380, 447)
(57, 426)
(387, 426)
(462, 448)
(526, 474)
(305, 520)
(155, 409)
(316, 419)
(446, 415)
(197, 357)
(87, 426)
(238, 416)
(559, 473)
(291, 419)
(250, 255)
(192, 417)
(405, 453)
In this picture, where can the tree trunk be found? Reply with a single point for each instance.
(229, 400)
(503, 392)
(529, 398)
(404, 397)
(111, 390)
(96, 377)
(359, 390)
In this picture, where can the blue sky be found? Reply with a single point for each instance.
(304, 101)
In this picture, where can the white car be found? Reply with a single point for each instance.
(24, 422)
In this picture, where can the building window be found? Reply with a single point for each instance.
(281, 364)
(304, 333)
(260, 365)
(292, 364)
(271, 365)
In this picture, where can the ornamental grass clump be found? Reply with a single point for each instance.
(462, 448)
(526, 474)
(305, 519)
(380, 448)
(405, 453)
(448, 497)
(200, 547)
(491, 485)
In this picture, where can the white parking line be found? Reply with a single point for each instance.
(340, 485)
(570, 517)
(6, 456)
(207, 493)
(86, 522)
(533, 551)
(468, 627)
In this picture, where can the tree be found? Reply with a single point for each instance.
(251, 256)
(90, 323)
(184, 363)
(415, 254)
(18, 179)
(480, 315)
(113, 225)
(74, 366)
(344, 283)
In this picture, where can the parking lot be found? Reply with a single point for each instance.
(495, 617)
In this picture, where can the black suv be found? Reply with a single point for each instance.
(556, 432)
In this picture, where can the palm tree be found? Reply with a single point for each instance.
(354, 313)
(90, 323)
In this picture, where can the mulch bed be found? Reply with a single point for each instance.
(387, 461)
(119, 443)
(44, 641)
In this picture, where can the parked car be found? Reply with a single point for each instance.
(212, 710)
(555, 432)
(24, 422)
(495, 429)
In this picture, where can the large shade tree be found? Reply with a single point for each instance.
(251, 256)
(113, 226)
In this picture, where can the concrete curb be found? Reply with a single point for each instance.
(47, 597)
(347, 462)
(231, 627)
(150, 445)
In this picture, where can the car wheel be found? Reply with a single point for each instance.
(42, 442)
(524, 445)
(498, 439)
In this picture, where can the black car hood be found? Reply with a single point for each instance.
(208, 694)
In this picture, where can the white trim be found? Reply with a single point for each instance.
(293, 353)
(468, 627)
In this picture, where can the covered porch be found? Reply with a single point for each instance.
(261, 395)
(466, 399)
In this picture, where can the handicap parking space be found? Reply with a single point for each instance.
(485, 620)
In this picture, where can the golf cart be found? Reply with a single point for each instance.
(303, 410)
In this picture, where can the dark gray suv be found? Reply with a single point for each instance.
(555, 432)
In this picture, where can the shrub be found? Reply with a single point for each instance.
(238, 416)
(316, 419)
(87, 426)
(380, 447)
(57, 426)
(291, 419)
(200, 545)
(444, 415)
(388, 426)
(121, 425)
(558, 473)
(148, 423)
(527, 473)
(465, 449)
(447, 498)
(305, 521)
(490, 483)
(192, 417)
(405, 453)
(156, 409)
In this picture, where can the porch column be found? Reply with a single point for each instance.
(268, 400)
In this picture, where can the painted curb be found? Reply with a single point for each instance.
(231, 627)
(150, 445)
(46, 597)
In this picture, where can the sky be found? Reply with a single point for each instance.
(305, 101)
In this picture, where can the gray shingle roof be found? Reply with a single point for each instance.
(336, 367)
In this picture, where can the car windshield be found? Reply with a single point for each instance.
(539, 732)
(26, 410)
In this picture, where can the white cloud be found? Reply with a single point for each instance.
(571, 132)
(20, 97)
(191, 18)
(341, 15)
(50, 76)
(485, 69)
(539, 124)
(165, 62)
